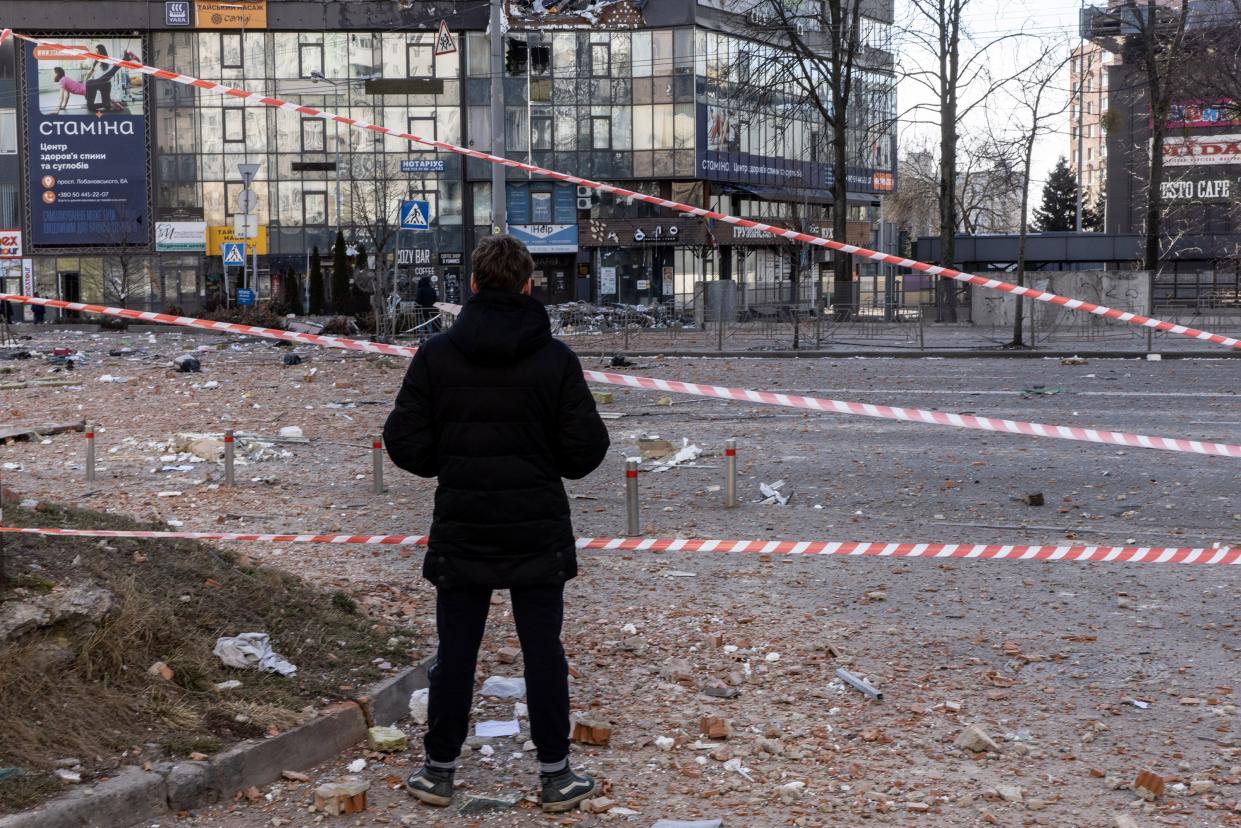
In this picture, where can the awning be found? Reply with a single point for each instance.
(798, 194)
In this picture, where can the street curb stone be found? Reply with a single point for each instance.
(131, 795)
(134, 796)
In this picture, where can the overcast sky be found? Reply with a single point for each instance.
(1052, 21)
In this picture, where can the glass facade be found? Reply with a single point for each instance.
(661, 111)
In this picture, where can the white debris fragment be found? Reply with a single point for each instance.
(418, 705)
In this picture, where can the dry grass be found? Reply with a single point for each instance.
(87, 693)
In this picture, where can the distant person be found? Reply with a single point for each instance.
(426, 295)
(39, 311)
(6, 308)
(499, 411)
(68, 87)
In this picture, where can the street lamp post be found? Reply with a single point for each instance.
(248, 199)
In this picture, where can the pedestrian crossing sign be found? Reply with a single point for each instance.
(415, 215)
(444, 44)
(234, 254)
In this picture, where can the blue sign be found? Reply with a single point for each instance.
(415, 215)
(177, 13)
(86, 125)
(245, 296)
(546, 238)
(413, 165)
(234, 254)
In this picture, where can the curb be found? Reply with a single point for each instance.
(134, 795)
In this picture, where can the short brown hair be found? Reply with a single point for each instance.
(501, 263)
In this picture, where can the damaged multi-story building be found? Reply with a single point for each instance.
(661, 96)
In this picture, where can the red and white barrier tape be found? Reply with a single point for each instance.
(807, 238)
(883, 412)
(1076, 554)
(921, 415)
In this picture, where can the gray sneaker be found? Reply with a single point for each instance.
(565, 790)
(434, 787)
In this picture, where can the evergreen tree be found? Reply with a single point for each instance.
(340, 276)
(316, 284)
(293, 293)
(1093, 216)
(1059, 208)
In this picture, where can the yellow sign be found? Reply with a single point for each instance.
(220, 234)
(236, 14)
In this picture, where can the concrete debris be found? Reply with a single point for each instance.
(386, 739)
(974, 738)
(161, 670)
(1010, 793)
(357, 766)
(341, 798)
(693, 823)
(68, 777)
(791, 792)
(591, 730)
(475, 804)
(418, 705)
(80, 605)
(503, 687)
(1149, 785)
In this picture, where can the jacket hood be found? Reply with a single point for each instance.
(499, 327)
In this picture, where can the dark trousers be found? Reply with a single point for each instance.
(460, 618)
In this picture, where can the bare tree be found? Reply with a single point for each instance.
(124, 266)
(960, 84)
(1033, 113)
(816, 54)
(374, 200)
(986, 190)
(1159, 44)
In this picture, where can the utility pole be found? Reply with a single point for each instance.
(1081, 65)
(499, 218)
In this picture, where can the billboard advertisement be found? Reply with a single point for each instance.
(719, 158)
(1202, 150)
(1199, 114)
(87, 130)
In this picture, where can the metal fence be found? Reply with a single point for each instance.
(726, 317)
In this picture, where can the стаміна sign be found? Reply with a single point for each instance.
(1202, 150)
(86, 124)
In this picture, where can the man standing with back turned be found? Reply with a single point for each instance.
(498, 410)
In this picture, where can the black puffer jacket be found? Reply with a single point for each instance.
(499, 411)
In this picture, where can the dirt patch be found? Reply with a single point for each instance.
(82, 688)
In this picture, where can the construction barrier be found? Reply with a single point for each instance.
(883, 412)
(807, 238)
(1010, 552)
